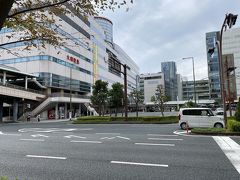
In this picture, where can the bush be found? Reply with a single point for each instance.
(233, 125)
(145, 119)
(237, 114)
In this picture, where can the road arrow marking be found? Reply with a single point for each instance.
(121, 137)
(73, 136)
(39, 135)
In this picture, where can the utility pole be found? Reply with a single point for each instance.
(70, 112)
(125, 90)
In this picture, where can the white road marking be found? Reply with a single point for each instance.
(73, 136)
(139, 164)
(46, 130)
(39, 135)
(153, 144)
(161, 135)
(93, 142)
(109, 133)
(231, 149)
(165, 139)
(32, 140)
(85, 129)
(1, 133)
(184, 133)
(107, 138)
(46, 157)
(121, 137)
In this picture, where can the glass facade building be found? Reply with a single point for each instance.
(170, 79)
(107, 26)
(213, 66)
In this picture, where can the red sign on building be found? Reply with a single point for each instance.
(73, 59)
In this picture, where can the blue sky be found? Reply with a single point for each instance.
(154, 31)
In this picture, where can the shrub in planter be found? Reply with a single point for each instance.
(237, 114)
(233, 125)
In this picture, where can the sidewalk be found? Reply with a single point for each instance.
(34, 120)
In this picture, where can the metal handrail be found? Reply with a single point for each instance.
(68, 95)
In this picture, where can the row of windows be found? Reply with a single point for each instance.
(45, 57)
(75, 40)
(75, 26)
(153, 77)
(24, 43)
(71, 8)
(53, 80)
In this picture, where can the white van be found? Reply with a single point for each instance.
(199, 117)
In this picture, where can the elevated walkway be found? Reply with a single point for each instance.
(20, 92)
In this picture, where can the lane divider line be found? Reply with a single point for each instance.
(46, 157)
(109, 133)
(139, 164)
(94, 142)
(32, 140)
(153, 144)
(164, 139)
(162, 135)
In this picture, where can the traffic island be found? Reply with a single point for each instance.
(214, 132)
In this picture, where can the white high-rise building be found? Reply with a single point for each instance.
(148, 84)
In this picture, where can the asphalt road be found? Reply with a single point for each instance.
(65, 151)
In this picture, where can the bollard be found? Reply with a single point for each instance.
(187, 127)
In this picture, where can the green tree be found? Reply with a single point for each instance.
(138, 97)
(159, 98)
(100, 95)
(36, 20)
(237, 114)
(116, 96)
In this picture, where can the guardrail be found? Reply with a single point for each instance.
(21, 88)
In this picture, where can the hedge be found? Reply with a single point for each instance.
(145, 119)
(233, 125)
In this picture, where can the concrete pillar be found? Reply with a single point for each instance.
(1, 110)
(15, 110)
(62, 93)
(80, 110)
(4, 77)
(49, 91)
(26, 82)
(56, 111)
(65, 111)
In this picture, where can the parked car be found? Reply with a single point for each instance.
(219, 113)
(199, 117)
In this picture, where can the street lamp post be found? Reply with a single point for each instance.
(194, 83)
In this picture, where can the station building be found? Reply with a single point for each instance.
(67, 73)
